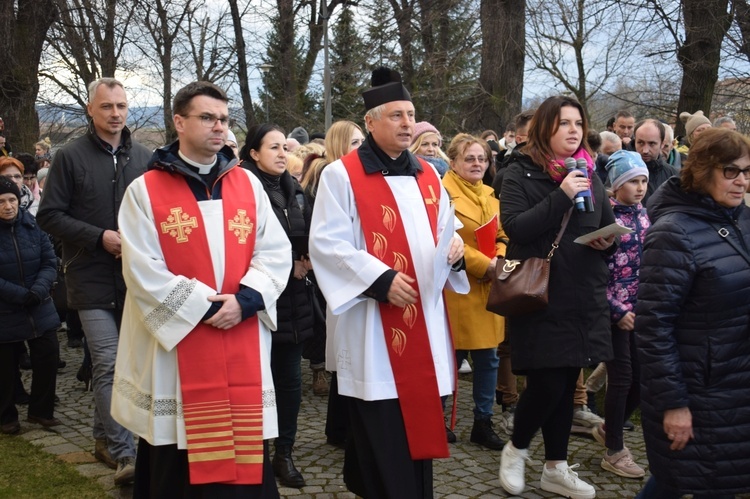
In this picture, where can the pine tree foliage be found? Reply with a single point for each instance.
(349, 70)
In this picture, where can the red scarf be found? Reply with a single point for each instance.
(405, 328)
(219, 370)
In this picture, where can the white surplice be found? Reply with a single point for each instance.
(356, 346)
(162, 308)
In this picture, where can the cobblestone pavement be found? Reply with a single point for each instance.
(470, 472)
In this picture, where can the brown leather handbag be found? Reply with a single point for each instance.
(522, 286)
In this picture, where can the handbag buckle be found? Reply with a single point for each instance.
(510, 265)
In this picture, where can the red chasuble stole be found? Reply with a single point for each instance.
(405, 328)
(219, 370)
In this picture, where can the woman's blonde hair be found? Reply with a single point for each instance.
(414, 148)
(45, 144)
(338, 142)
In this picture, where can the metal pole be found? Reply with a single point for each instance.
(326, 66)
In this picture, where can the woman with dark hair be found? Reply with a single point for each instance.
(691, 325)
(28, 267)
(265, 154)
(551, 346)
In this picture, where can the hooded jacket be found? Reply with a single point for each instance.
(693, 335)
(81, 200)
(27, 264)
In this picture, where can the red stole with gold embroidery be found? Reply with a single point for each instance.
(220, 370)
(405, 328)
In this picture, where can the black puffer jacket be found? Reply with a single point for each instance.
(294, 306)
(574, 330)
(659, 171)
(693, 335)
(27, 263)
(81, 200)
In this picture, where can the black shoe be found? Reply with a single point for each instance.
(450, 435)
(84, 375)
(75, 343)
(628, 425)
(483, 434)
(10, 428)
(25, 361)
(283, 468)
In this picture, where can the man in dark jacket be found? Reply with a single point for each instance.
(649, 137)
(86, 184)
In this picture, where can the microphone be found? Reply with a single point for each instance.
(570, 165)
(588, 202)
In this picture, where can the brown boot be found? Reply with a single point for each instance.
(101, 453)
(320, 382)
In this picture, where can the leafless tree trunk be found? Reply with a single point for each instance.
(163, 28)
(23, 28)
(706, 25)
(242, 69)
(502, 64)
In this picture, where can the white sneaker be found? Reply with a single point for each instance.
(584, 417)
(512, 468)
(465, 367)
(565, 482)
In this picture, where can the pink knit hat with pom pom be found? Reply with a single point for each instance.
(425, 127)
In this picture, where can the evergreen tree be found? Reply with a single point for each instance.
(349, 74)
(286, 106)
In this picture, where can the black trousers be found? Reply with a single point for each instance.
(546, 403)
(44, 353)
(162, 471)
(377, 463)
(623, 386)
(337, 417)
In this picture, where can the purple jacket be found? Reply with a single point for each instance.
(624, 265)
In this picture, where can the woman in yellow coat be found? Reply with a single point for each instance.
(476, 331)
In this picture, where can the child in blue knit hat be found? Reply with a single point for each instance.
(628, 176)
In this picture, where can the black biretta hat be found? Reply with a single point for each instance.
(386, 87)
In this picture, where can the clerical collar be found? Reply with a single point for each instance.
(375, 160)
(202, 169)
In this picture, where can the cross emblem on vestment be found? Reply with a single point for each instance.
(431, 200)
(241, 226)
(179, 224)
(344, 360)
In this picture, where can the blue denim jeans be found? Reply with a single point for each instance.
(286, 367)
(485, 362)
(656, 490)
(102, 335)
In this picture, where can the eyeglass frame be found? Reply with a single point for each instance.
(736, 169)
(209, 120)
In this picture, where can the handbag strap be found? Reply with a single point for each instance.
(563, 226)
(724, 234)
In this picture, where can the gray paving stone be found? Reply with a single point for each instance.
(470, 472)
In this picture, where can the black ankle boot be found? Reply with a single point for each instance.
(483, 434)
(283, 468)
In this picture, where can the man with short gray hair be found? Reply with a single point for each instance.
(79, 207)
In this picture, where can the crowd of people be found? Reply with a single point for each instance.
(197, 277)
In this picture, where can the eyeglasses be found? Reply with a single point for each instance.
(17, 176)
(474, 159)
(27, 178)
(731, 172)
(209, 120)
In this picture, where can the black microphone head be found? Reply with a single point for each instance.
(570, 164)
(581, 164)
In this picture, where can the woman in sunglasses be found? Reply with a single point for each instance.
(692, 325)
